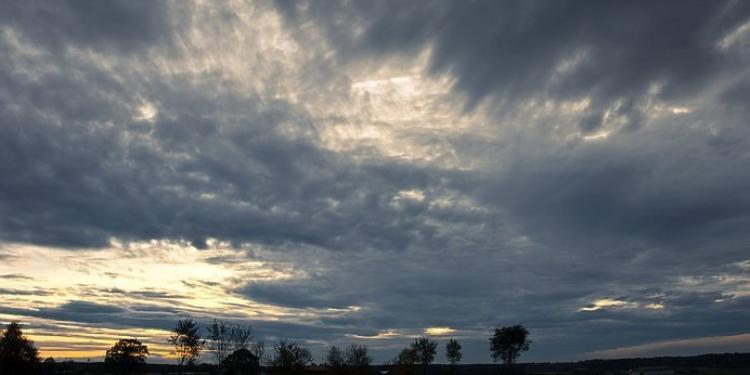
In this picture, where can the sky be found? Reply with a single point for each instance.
(369, 172)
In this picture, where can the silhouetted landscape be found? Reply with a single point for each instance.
(236, 352)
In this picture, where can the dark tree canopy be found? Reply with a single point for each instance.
(126, 356)
(425, 350)
(17, 353)
(289, 356)
(241, 362)
(187, 342)
(453, 352)
(508, 343)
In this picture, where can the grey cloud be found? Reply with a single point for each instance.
(15, 276)
(24, 292)
(83, 307)
(297, 294)
(116, 26)
(513, 50)
(558, 222)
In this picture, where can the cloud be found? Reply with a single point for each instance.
(122, 26)
(333, 171)
(721, 344)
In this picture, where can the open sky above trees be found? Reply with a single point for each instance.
(374, 171)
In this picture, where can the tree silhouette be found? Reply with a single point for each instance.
(356, 356)
(17, 353)
(288, 356)
(49, 366)
(335, 360)
(508, 342)
(126, 356)
(258, 348)
(240, 336)
(425, 350)
(405, 361)
(186, 342)
(241, 362)
(453, 353)
(218, 340)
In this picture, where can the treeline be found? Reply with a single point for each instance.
(235, 350)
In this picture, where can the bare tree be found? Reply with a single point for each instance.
(218, 340)
(240, 336)
(187, 343)
(289, 356)
(259, 349)
(508, 343)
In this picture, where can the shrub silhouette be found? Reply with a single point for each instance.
(241, 362)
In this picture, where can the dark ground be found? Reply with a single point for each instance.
(707, 364)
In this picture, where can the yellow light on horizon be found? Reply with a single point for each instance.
(439, 331)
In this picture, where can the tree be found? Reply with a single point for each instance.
(126, 356)
(335, 360)
(258, 348)
(453, 352)
(218, 340)
(289, 356)
(49, 366)
(406, 357)
(508, 343)
(425, 350)
(405, 361)
(186, 342)
(241, 362)
(240, 336)
(17, 353)
(356, 356)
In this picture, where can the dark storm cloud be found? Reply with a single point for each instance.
(298, 294)
(513, 50)
(123, 180)
(638, 185)
(114, 26)
(550, 226)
